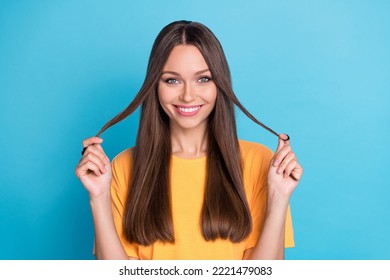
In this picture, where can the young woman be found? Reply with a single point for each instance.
(189, 189)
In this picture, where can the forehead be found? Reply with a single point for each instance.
(185, 59)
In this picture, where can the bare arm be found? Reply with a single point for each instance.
(107, 243)
(283, 177)
(94, 172)
(270, 245)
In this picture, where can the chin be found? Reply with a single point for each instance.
(190, 125)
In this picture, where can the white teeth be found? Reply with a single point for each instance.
(189, 110)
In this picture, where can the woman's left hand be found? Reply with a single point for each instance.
(285, 171)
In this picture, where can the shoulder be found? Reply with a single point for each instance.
(124, 155)
(121, 172)
(123, 161)
(251, 149)
(255, 158)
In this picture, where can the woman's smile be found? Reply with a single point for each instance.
(187, 111)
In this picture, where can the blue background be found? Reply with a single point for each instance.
(317, 70)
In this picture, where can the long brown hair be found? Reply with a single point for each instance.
(225, 211)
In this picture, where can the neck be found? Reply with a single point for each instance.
(189, 143)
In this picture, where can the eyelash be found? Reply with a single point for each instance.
(169, 81)
(205, 77)
(173, 81)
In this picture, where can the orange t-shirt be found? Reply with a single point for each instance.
(187, 188)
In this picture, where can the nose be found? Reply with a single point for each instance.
(188, 94)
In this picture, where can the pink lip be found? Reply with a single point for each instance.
(187, 111)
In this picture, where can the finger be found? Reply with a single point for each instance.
(285, 161)
(98, 151)
(280, 145)
(279, 156)
(289, 168)
(96, 160)
(297, 172)
(92, 140)
(94, 168)
(86, 167)
(98, 146)
(284, 140)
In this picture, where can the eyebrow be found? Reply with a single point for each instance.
(177, 74)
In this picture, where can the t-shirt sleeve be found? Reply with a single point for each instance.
(121, 168)
(256, 166)
(289, 231)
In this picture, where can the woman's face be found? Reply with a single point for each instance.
(186, 90)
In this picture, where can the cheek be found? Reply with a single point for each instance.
(162, 95)
(165, 94)
(210, 95)
(163, 103)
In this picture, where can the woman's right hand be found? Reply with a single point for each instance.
(94, 168)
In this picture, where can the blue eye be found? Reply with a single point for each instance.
(204, 79)
(171, 81)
